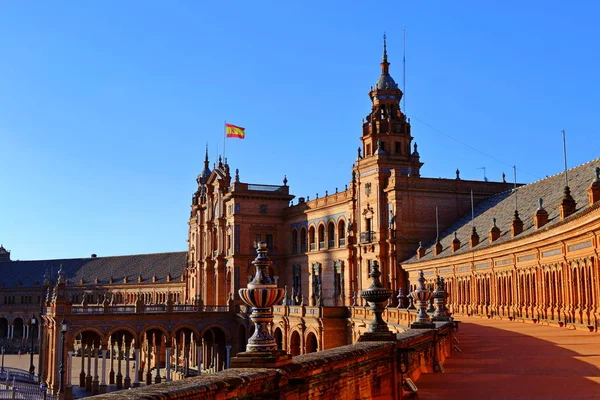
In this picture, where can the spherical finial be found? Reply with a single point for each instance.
(262, 245)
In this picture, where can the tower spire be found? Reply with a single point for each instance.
(385, 65)
(384, 47)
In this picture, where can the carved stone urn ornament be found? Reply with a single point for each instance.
(261, 294)
(421, 296)
(377, 296)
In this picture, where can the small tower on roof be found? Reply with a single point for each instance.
(386, 130)
(4, 254)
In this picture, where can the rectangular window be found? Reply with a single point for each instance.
(398, 148)
(269, 240)
(236, 239)
(368, 150)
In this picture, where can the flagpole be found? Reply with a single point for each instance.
(224, 136)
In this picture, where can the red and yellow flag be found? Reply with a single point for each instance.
(233, 131)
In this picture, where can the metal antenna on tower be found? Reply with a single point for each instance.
(404, 69)
(485, 179)
(565, 156)
(515, 178)
(437, 223)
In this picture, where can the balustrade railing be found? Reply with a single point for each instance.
(147, 308)
(368, 237)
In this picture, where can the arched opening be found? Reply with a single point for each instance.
(330, 234)
(242, 339)
(3, 328)
(278, 338)
(303, 240)
(311, 343)
(182, 353)
(321, 237)
(213, 350)
(342, 233)
(87, 346)
(311, 238)
(295, 344)
(17, 328)
(152, 357)
(294, 241)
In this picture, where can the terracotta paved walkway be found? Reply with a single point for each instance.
(511, 360)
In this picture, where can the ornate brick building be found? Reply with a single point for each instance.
(176, 314)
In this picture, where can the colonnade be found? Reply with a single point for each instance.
(125, 362)
(566, 292)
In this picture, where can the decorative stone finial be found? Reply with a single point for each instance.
(237, 175)
(439, 297)
(61, 274)
(422, 295)
(457, 174)
(401, 299)
(376, 295)
(285, 181)
(503, 177)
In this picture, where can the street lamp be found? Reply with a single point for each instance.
(61, 370)
(31, 330)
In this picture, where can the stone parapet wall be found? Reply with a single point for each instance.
(365, 370)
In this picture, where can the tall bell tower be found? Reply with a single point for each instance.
(386, 130)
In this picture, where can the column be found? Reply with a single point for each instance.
(103, 379)
(25, 332)
(95, 377)
(127, 382)
(82, 373)
(186, 355)
(168, 363)
(156, 359)
(69, 367)
(88, 377)
(228, 349)
(148, 374)
(111, 375)
(136, 378)
(198, 355)
(119, 358)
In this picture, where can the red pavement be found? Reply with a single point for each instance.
(505, 360)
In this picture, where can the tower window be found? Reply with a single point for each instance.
(368, 150)
(398, 147)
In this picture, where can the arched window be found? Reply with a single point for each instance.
(330, 235)
(321, 237)
(342, 233)
(294, 241)
(303, 240)
(311, 238)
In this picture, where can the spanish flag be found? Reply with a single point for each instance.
(233, 131)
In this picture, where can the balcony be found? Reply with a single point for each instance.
(331, 244)
(322, 245)
(312, 247)
(367, 237)
(342, 242)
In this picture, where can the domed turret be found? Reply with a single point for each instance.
(203, 177)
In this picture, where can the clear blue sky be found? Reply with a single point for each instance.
(106, 106)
